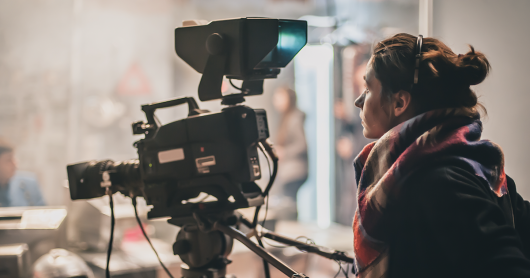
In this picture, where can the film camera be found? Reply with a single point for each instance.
(211, 153)
(214, 153)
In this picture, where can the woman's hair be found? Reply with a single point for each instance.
(444, 78)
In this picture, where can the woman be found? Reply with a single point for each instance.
(291, 147)
(433, 199)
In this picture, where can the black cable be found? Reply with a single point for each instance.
(301, 247)
(265, 263)
(266, 211)
(112, 224)
(255, 222)
(249, 225)
(147, 238)
(270, 177)
(274, 159)
(230, 80)
(340, 269)
(268, 162)
(345, 271)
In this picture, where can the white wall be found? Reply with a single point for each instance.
(62, 63)
(499, 29)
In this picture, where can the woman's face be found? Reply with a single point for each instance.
(375, 112)
(280, 100)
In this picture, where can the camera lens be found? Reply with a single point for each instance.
(85, 178)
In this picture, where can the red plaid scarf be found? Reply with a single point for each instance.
(383, 166)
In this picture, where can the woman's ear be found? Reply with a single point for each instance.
(402, 103)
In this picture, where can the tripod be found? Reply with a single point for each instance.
(204, 246)
(205, 239)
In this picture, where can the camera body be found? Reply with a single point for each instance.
(205, 144)
(211, 153)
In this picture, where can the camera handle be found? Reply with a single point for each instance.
(152, 121)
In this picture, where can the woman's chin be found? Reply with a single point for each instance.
(370, 135)
(366, 133)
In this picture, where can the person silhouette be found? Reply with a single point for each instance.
(291, 147)
(17, 189)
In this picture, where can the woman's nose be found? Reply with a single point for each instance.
(359, 102)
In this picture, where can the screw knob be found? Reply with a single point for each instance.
(181, 247)
(215, 44)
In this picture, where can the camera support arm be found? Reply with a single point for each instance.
(311, 248)
(260, 251)
(206, 224)
(212, 77)
(302, 246)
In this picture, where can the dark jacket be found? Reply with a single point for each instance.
(449, 223)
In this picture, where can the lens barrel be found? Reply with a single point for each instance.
(85, 178)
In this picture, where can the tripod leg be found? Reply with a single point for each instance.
(260, 251)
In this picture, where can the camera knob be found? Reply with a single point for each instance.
(231, 220)
(215, 44)
(181, 247)
(141, 127)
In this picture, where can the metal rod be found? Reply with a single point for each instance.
(277, 263)
(311, 248)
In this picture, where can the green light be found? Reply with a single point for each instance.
(150, 165)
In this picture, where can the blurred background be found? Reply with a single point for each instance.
(73, 74)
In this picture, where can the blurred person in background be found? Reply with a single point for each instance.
(433, 199)
(17, 189)
(291, 147)
(350, 139)
(345, 148)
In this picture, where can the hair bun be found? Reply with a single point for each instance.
(473, 67)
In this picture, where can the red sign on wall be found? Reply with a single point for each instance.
(134, 82)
